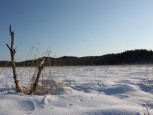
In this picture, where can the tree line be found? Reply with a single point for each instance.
(138, 56)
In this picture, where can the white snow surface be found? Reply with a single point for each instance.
(86, 90)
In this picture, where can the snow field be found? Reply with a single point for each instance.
(86, 90)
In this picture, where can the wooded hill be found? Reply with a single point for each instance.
(128, 57)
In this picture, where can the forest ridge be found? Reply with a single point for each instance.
(138, 56)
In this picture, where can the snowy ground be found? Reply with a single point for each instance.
(92, 90)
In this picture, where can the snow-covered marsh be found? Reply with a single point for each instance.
(86, 90)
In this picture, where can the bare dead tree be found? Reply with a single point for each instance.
(40, 68)
(12, 53)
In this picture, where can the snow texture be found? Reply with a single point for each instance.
(86, 90)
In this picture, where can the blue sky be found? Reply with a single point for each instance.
(75, 27)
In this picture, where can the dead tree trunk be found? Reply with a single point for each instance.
(40, 68)
(12, 53)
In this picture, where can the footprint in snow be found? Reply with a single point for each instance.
(81, 100)
(51, 108)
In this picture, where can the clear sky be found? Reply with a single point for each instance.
(75, 27)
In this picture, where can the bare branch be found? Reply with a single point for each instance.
(40, 68)
(12, 53)
(12, 34)
(8, 47)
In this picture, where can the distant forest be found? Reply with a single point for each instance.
(131, 57)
